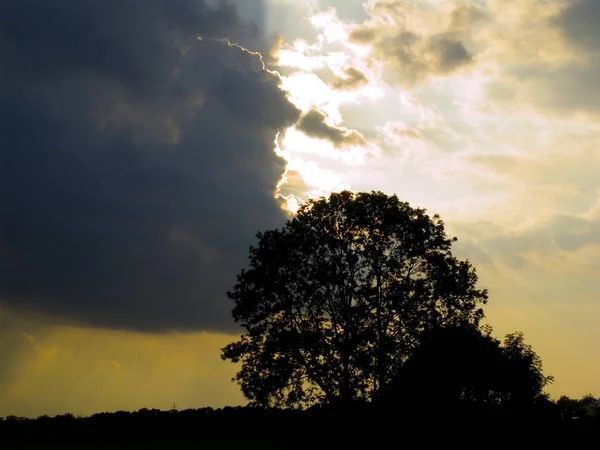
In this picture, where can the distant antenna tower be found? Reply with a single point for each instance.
(174, 407)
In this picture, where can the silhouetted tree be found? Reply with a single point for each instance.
(524, 377)
(587, 407)
(569, 408)
(449, 365)
(334, 302)
(466, 365)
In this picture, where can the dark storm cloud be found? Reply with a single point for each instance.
(136, 161)
(314, 124)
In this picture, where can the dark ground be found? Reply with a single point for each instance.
(247, 428)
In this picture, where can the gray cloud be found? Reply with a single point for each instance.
(313, 124)
(556, 69)
(579, 23)
(465, 17)
(363, 35)
(353, 78)
(136, 161)
(448, 53)
(412, 56)
(574, 85)
(553, 237)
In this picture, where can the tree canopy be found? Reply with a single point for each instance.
(334, 302)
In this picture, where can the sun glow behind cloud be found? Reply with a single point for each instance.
(320, 164)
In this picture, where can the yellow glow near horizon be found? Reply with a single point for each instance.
(85, 371)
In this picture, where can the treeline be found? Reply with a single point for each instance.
(584, 408)
(543, 420)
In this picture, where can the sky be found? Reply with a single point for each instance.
(144, 144)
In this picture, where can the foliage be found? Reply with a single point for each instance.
(522, 370)
(467, 365)
(335, 301)
(586, 407)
